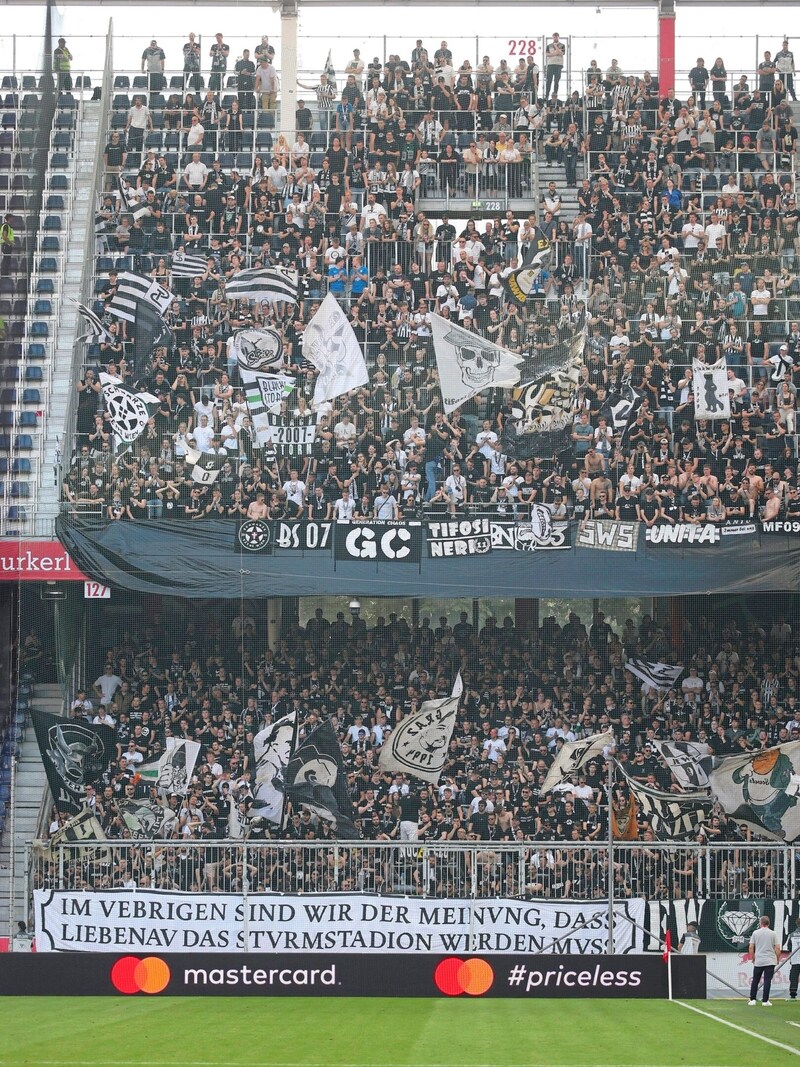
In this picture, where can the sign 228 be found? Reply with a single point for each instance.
(522, 47)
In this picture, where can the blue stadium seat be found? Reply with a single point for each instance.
(21, 466)
(121, 102)
(40, 329)
(51, 243)
(12, 374)
(59, 161)
(62, 139)
(59, 181)
(28, 83)
(6, 419)
(23, 442)
(122, 81)
(83, 81)
(43, 307)
(5, 442)
(8, 398)
(35, 351)
(264, 141)
(34, 374)
(45, 286)
(20, 490)
(3, 465)
(53, 223)
(139, 81)
(28, 420)
(16, 514)
(32, 397)
(48, 265)
(67, 100)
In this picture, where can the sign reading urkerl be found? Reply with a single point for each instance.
(32, 561)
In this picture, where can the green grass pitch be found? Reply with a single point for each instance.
(315, 1032)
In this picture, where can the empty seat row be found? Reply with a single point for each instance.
(25, 420)
(21, 442)
(30, 397)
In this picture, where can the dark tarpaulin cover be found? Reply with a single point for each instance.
(196, 559)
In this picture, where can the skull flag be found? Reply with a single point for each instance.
(468, 364)
(74, 753)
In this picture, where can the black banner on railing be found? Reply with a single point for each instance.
(337, 975)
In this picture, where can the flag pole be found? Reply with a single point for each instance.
(609, 787)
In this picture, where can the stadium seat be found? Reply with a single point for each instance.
(83, 81)
(140, 81)
(59, 181)
(67, 100)
(51, 244)
(59, 160)
(28, 83)
(8, 398)
(122, 81)
(32, 397)
(45, 286)
(20, 490)
(23, 442)
(53, 222)
(48, 265)
(40, 330)
(28, 420)
(62, 140)
(34, 374)
(22, 465)
(43, 307)
(35, 351)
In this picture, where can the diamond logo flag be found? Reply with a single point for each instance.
(573, 756)
(331, 345)
(468, 364)
(419, 744)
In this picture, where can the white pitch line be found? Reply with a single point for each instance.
(789, 1021)
(742, 1029)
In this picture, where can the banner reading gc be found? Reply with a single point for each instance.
(373, 542)
(166, 921)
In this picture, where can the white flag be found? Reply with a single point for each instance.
(710, 384)
(573, 756)
(173, 771)
(205, 465)
(272, 746)
(127, 412)
(468, 364)
(264, 392)
(659, 676)
(331, 345)
(419, 744)
(756, 789)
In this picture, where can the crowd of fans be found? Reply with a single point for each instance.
(526, 692)
(685, 246)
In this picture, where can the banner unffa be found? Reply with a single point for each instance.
(170, 921)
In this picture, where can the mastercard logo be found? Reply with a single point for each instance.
(454, 976)
(132, 975)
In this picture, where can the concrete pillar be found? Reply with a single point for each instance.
(273, 622)
(288, 62)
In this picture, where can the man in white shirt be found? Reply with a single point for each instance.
(714, 230)
(195, 173)
(107, 684)
(203, 435)
(372, 210)
(456, 488)
(345, 432)
(139, 120)
(765, 952)
(386, 507)
(81, 707)
(195, 133)
(690, 942)
(344, 507)
(692, 232)
(295, 492)
(414, 436)
(485, 439)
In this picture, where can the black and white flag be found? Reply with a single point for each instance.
(620, 409)
(147, 820)
(573, 756)
(273, 746)
(173, 771)
(96, 333)
(186, 266)
(127, 412)
(135, 289)
(659, 676)
(710, 386)
(468, 364)
(684, 759)
(205, 466)
(420, 743)
(316, 779)
(74, 754)
(265, 392)
(270, 284)
(259, 350)
(288, 435)
(132, 203)
(671, 815)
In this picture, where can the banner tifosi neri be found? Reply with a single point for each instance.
(205, 466)
(127, 412)
(684, 760)
(96, 331)
(468, 364)
(661, 676)
(608, 534)
(188, 266)
(330, 344)
(273, 747)
(135, 289)
(259, 350)
(761, 789)
(671, 815)
(370, 542)
(573, 756)
(459, 537)
(173, 771)
(269, 284)
(419, 745)
(290, 435)
(316, 779)
(74, 754)
(537, 533)
(710, 387)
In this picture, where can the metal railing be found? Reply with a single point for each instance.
(475, 869)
